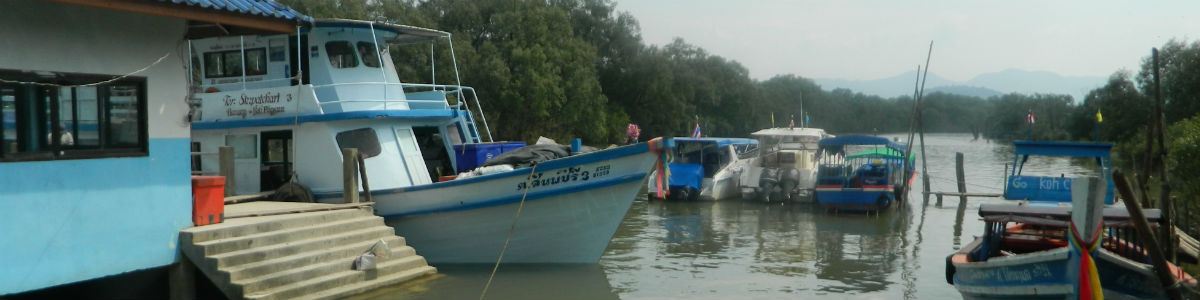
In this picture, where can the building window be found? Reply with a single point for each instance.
(369, 57)
(363, 138)
(56, 120)
(229, 63)
(341, 54)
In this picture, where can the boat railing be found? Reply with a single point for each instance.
(417, 90)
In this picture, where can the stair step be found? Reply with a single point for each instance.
(304, 272)
(213, 247)
(346, 291)
(344, 278)
(234, 258)
(257, 269)
(246, 226)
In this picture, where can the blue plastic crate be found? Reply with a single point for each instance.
(475, 155)
(510, 146)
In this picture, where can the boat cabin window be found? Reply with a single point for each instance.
(229, 63)
(244, 145)
(363, 138)
(341, 54)
(367, 52)
(45, 122)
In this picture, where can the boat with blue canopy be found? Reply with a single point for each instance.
(1027, 246)
(707, 168)
(862, 173)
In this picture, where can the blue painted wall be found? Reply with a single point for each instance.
(72, 220)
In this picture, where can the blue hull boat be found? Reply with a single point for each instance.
(869, 180)
(1025, 250)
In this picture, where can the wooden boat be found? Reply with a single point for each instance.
(1025, 251)
(869, 180)
(301, 98)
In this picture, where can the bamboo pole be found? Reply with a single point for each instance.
(1164, 195)
(350, 175)
(1146, 236)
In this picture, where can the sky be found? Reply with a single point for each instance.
(873, 39)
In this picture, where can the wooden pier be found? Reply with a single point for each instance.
(287, 250)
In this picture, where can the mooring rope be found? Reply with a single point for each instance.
(510, 231)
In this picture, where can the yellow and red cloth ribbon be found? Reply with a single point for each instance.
(1089, 277)
(661, 168)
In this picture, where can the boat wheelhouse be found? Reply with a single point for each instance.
(786, 167)
(288, 104)
(708, 168)
(862, 173)
(1033, 237)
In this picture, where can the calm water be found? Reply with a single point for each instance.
(748, 250)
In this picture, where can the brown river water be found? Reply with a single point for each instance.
(734, 249)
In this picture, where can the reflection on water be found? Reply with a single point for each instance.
(751, 250)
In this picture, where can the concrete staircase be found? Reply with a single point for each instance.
(302, 255)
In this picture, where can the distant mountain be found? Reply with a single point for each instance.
(965, 90)
(985, 85)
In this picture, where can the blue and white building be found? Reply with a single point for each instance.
(95, 131)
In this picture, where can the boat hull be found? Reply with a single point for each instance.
(570, 210)
(1045, 275)
(867, 198)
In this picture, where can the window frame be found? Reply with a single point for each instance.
(55, 151)
(221, 58)
(353, 52)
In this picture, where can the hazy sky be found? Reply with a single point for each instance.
(872, 39)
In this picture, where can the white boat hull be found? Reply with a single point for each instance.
(570, 213)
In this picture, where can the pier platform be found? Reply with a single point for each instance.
(288, 250)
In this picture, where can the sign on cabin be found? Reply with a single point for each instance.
(249, 104)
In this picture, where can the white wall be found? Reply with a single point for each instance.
(36, 35)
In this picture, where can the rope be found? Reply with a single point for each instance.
(160, 59)
(510, 232)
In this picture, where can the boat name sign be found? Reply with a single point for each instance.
(563, 176)
(1026, 273)
(264, 104)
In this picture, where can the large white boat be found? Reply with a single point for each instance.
(786, 167)
(288, 104)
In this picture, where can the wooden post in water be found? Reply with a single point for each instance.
(350, 175)
(362, 172)
(1146, 236)
(1087, 215)
(225, 168)
(962, 180)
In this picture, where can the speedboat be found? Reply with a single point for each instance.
(707, 168)
(786, 167)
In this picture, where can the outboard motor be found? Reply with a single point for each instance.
(770, 178)
(788, 181)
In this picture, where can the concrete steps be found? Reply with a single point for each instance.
(304, 255)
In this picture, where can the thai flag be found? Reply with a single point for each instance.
(696, 131)
(1029, 117)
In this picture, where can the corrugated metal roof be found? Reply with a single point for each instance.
(263, 8)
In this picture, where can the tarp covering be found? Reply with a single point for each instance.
(529, 155)
(721, 142)
(690, 175)
(882, 152)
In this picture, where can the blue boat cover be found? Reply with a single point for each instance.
(690, 175)
(721, 142)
